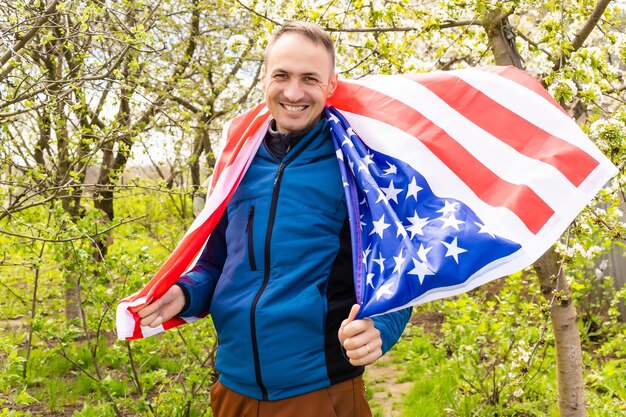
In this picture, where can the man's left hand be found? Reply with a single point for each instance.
(360, 339)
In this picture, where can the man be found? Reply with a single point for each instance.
(276, 273)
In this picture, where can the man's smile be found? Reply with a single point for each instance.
(294, 109)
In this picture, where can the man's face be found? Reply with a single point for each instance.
(298, 77)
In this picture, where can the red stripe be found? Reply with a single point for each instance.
(510, 128)
(137, 329)
(525, 80)
(174, 322)
(520, 199)
(239, 131)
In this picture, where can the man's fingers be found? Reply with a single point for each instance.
(360, 337)
(364, 349)
(152, 320)
(367, 359)
(149, 309)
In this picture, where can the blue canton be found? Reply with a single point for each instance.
(407, 241)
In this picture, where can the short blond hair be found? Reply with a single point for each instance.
(309, 30)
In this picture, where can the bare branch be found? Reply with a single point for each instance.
(446, 25)
(26, 38)
(72, 239)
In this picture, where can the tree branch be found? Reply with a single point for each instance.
(584, 32)
(26, 38)
(72, 239)
(446, 25)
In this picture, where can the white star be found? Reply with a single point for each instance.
(384, 290)
(448, 208)
(485, 229)
(391, 193)
(381, 197)
(391, 170)
(420, 269)
(366, 253)
(363, 167)
(380, 226)
(364, 201)
(380, 261)
(333, 118)
(367, 159)
(351, 164)
(451, 222)
(422, 252)
(399, 262)
(339, 154)
(350, 132)
(345, 184)
(347, 142)
(454, 250)
(400, 230)
(369, 280)
(413, 189)
(417, 224)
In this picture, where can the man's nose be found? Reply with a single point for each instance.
(294, 91)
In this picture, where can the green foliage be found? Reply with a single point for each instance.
(494, 355)
(123, 103)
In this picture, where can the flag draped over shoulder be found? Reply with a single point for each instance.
(244, 134)
(452, 179)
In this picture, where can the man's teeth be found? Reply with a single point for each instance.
(294, 108)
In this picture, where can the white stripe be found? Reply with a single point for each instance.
(507, 163)
(445, 184)
(531, 106)
(228, 178)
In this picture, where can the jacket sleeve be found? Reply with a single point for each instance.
(199, 283)
(391, 326)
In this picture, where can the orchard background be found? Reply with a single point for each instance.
(110, 112)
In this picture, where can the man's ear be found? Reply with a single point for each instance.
(263, 76)
(332, 85)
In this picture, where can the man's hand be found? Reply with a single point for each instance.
(162, 309)
(360, 339)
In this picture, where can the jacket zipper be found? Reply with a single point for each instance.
(249, 229)
(266, 270)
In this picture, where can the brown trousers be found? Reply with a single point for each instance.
(346, 399)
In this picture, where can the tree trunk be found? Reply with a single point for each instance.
(553, 282)
(569, 364)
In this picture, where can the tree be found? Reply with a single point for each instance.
(88, 89)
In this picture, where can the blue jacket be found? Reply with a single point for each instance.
(276, 276)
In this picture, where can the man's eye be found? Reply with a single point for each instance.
(280, 76)
(310, 79)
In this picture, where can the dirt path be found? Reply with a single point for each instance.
(381, 379)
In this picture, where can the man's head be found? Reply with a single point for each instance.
(298, 75)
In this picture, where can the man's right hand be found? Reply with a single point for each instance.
(163, 309)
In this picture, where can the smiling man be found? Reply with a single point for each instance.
(276, 273)
(298, 76)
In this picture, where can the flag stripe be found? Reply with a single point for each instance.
(517, 132)
(523, 79)
(519, 198)
(545, 180)
(247, 124)
(442, 181)
(532, 107)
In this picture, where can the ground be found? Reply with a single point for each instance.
(384, 390)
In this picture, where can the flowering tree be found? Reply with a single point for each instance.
(89, 88)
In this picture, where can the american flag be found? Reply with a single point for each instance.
(452, 179)
(455, 179)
